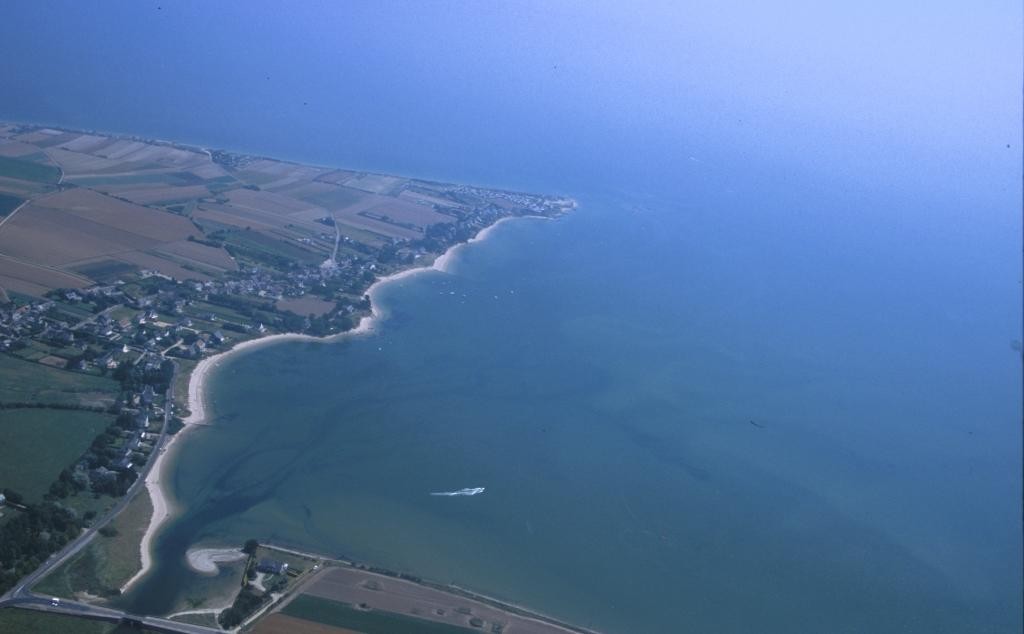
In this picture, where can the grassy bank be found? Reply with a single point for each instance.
(36, 444)
(27, 382)
(28, 170)
(31, 622)
(9, 203)
(337, 614)
(109, 561)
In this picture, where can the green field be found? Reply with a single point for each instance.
(344, 615)
(72, 312)
(9, 203)
(253, 177)
(27, 382)
(36, 444)
(106, 270)
(122, 312)
(158, 178)
(33, 351)
(128, 173)
(273, 246)
(32, 622)
(333, 198)
(28, 171)
(109, 561)
(200, 310)
(24, 189)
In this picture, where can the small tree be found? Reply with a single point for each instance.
(250, 547)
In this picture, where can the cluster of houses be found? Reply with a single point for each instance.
(102, 341)
(17, 323)
(162, 325)
(270, 566)
(137, 440)
(528, 203)
(267, 283)
(261, 282)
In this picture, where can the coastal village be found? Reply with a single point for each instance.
(124, 262)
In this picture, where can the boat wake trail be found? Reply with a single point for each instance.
(472, 491)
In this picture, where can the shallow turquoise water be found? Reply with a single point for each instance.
(598, 374)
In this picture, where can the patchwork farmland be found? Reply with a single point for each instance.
(342, 599)
(77, 205)
(124, 262)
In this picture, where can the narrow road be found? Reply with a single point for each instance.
(337, 239)
(86, 611)
(92, 318)
(171, 347)
(11, 215)
(46, 267)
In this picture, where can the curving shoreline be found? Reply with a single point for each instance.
(164, 507)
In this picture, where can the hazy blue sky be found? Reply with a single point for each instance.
(861, 88)
(904, 110)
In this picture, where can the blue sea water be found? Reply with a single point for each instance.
(762, 380)
(598, 375)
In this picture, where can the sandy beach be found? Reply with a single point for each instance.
(206, 560)
(164, 507)
(443, 262)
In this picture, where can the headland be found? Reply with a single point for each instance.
(131, 268)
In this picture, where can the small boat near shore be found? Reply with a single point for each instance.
(460, 492)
